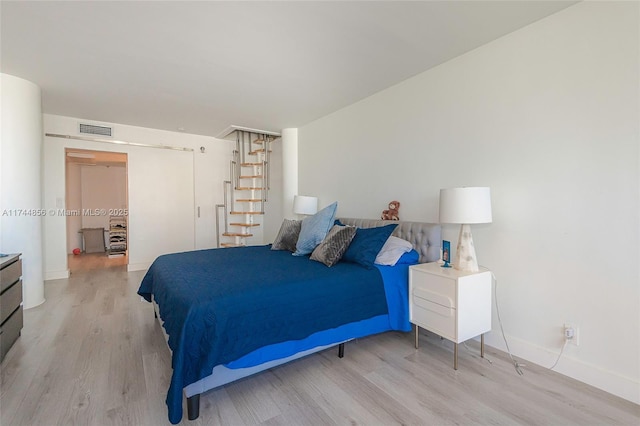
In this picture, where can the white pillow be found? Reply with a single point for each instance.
(392, 251)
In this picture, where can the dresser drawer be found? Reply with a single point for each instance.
(10, 331)
(10, 300)
(10, 274)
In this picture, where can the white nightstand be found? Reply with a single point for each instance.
(453, 304)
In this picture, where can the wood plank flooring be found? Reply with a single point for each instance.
(94, 355)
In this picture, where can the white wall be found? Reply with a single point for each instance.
(20, 181)
(193, 177)
(102, 188)
(548, 117)
(93, 188)
(289, 158)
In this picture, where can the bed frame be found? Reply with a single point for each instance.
(425, 238)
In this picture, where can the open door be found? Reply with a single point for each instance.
(96, 208)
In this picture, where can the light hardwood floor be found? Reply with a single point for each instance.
(94, 355)
(94, 261)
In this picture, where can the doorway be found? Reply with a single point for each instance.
(96, 209)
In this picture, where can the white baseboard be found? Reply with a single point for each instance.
(56, 275)
(608, 381)
(132, 267)
(25, 307)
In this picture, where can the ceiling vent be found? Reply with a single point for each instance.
(92, 129)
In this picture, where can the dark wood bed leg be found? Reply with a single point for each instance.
(193, 407)
(341, 350)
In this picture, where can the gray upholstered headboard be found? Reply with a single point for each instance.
(425, 237)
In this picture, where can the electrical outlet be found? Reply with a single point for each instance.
(572, 334)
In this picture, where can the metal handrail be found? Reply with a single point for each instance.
(232, 171)
(265, 175)
(267, 168)
(234, 167)
(237, 143)
(243, 149)
(218, 224)
(227, 183)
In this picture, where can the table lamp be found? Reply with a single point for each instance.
(305, 205)
(465, 206)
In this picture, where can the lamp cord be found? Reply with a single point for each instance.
(559, 355)
(517, 365)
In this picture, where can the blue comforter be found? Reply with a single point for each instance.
(220, 304)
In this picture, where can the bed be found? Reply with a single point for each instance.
(224, 323)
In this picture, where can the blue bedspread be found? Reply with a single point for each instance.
(220, 304)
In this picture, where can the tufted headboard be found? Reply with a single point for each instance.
(425, 237)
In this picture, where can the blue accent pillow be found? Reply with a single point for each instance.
(314, 229)
(367, 243)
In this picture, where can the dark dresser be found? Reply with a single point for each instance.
(10, 301)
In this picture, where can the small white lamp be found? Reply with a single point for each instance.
(305, 205)
(465, 206)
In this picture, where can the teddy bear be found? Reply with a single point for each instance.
(392, 213)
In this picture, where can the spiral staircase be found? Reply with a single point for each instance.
(246, 191)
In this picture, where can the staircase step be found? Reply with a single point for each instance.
(231, 245)
(250, 164)
(236, 234)
(248, 188)
(244, 224)
(250, 177)
(248, 200)
(255, 151)
(246, 213)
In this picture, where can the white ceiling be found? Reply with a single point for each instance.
(203, 66)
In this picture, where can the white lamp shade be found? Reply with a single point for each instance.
(305, 205)
(465, 205)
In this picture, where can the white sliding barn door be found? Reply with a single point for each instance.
(161, 204)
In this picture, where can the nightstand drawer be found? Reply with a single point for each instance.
(434, 317)
(440, 290)
(423, 294)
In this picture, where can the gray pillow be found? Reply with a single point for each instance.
(288, 235)
(331, 249)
